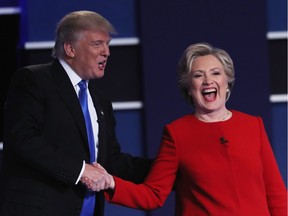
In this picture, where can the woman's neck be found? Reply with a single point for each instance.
(213, 117)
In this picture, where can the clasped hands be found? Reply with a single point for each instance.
(96, 178)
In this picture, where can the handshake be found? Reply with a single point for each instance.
(96, 178)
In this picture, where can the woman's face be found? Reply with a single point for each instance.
(208, 85)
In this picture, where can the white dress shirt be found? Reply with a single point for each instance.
(75, 79)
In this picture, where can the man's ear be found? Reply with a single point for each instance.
(69, 49)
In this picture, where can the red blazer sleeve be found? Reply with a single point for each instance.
(276, 191)
(158, 184)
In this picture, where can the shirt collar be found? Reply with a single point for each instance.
(73, 76)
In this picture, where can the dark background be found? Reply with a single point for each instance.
(145, 72)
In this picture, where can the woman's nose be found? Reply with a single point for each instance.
(207, 80)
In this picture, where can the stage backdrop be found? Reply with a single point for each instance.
(168, 27)
(147, 68)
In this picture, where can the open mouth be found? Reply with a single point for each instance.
(209, 94)
(102, 65)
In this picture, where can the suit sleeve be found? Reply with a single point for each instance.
(116, 162)
(153, 192)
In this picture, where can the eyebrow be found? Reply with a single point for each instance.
(200, 70)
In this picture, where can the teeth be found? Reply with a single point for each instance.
(101, 65)
(208, 90)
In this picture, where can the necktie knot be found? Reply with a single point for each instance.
(82, 85)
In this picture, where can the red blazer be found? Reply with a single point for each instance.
(221, 168)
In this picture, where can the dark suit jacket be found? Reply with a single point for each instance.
(45, 144)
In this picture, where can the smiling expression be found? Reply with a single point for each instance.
(209, 84)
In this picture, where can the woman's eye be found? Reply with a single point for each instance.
(196, 75)
(216, 73)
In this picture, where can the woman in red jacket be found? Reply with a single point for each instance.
(219, 160)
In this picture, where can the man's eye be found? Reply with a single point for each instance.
(96, 44)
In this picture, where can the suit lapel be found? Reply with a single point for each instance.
(100, 110)
(101, 115)
(68, 95)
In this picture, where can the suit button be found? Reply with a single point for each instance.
(78, 209)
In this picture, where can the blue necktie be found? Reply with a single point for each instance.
(89, 200)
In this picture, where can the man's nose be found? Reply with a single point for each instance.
(105, 50)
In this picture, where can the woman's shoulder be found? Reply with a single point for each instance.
(186, 119)
(244, 117)
(241, 114)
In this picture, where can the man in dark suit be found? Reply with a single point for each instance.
(46, 156)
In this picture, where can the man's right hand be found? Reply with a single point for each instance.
(95, 177)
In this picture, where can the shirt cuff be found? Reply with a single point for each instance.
(82, 170)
